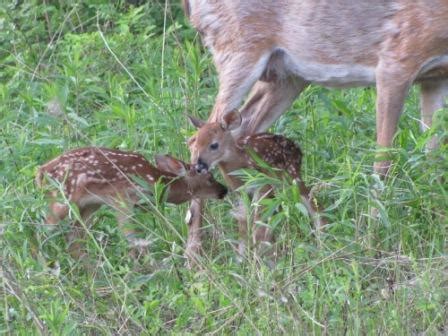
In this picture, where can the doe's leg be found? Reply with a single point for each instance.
(434, 96)
(237, 74)
(392, 88)
(267, 102)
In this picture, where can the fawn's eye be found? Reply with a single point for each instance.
(214, 146)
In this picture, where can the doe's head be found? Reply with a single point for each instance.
(213, 142)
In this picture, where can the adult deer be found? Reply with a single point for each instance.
(92, 176)
(275, 48)
(278, 47)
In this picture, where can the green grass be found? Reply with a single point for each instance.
(121, 80)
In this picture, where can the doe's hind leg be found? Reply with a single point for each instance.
(434, 96)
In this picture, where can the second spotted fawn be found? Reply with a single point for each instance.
(92, 176)
(214, 144)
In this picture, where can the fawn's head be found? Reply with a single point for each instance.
(191, 184)
(213, 143)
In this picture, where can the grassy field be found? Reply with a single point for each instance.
(115, 75)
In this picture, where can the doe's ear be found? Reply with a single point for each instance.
(196, 122)
(171, 165)
(231, 120)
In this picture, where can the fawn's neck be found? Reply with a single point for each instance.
(236, 158)
(178, 190)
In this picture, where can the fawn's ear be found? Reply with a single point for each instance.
(171, 165)
(191, 141)
(231, 121)
(196, 122)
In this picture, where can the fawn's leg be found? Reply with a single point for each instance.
(194, 222)
(57, 211)
(261, 233)
(311, 206)
(240, 214)
(124, 213)
(239, 211)
(77, 234)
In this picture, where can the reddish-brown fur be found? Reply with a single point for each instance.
(214, 145)
(91, 177)
(276, 150)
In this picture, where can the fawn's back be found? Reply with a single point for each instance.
(276, 150)
(98, 169)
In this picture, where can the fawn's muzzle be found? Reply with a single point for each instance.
(201, 166)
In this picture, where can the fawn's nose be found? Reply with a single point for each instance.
(201, 166)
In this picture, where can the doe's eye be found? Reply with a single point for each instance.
(214, 146)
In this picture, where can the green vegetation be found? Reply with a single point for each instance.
(121, 75)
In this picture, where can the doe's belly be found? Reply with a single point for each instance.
(331, 75)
